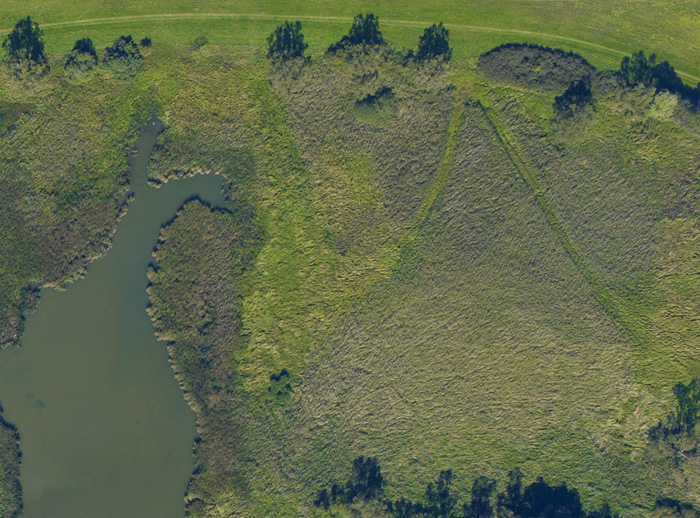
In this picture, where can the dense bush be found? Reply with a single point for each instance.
(364, 31)
(25, 43)
(286, 42)
(146, 42)
(435, 43)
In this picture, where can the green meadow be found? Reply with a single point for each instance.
(450, 278)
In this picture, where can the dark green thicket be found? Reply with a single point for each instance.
(123, 57)
(364, 31)
(537, 500)
(434, 43)
(83, 56)
(146, 42)
(638, 69)
(684, 419)
(25, 43)
(286, 42)
(574, 99)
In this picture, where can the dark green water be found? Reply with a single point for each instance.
(105, 430)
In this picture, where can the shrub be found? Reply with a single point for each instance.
(25, 43)
(364, 30)
(286, 42)
(199, 42)
(435, 43)
(146, 42)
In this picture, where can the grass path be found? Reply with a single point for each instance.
(611, 301)
(280, 17)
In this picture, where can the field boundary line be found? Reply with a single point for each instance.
(279, 17)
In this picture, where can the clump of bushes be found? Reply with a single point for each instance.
(280, 384)
(123, 57)
(83, 57)
(286, 42)
(434, 43)
(146, 42)
(364, 31)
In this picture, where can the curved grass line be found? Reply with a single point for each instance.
(275, 17)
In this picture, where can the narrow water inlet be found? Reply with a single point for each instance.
(105, 429)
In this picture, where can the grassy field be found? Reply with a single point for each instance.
(451, 279)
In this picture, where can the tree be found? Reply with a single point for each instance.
(576, 97)
(25, 43)
(480, 506)
(123, 57)
(287, 41)
(83, 56)
(85, 46)
(638, 69)
(435, 43)
(364, 30)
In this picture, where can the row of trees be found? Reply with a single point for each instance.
(537, 500)
(25, 45)
(287, 40)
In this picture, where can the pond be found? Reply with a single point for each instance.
(105, 430)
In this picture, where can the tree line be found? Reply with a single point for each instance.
(287, 40)
(537, 500)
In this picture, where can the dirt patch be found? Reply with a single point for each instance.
(534, 66)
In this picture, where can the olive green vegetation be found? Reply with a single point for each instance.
(450, 278)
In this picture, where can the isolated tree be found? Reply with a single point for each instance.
(435, 43)
(25, 43)
(286, 42)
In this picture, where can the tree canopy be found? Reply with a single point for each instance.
(85, 46)
(123, 57)
(25, 43)
(364, 30)
(83, 57)
(286, 41)
(435, 43)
